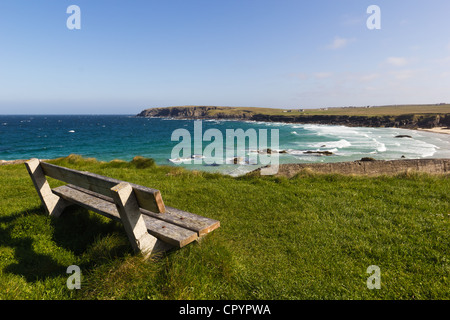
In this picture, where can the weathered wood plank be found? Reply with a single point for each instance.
(148, 198)
(133, 220)
(184, 219)
(103, 207)
(191, 221)
(167, 232)
(53, 204)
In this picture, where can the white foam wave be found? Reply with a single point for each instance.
(380, 147)
(339, 131)
(180, 160)
(295, 152)
(332, 144)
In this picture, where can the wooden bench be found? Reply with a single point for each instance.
(150, 225)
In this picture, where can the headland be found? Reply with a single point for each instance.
(434, 118)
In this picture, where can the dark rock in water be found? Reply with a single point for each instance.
(212, 165)
(270, 151)
(325, 153)
(368, 159)
(403, 157)
(403, 136)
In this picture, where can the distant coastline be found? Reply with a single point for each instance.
(433, 118)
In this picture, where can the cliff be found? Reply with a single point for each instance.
(177, 112)
(408, 121)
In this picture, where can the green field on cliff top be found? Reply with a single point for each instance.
(350, 111)
(309, 237)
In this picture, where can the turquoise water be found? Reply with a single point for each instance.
(108, 137)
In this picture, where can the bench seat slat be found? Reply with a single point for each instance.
(163, 230)
(184, 219)
(191, 221)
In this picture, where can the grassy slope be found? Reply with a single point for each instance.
(310, 237)
(359, 111)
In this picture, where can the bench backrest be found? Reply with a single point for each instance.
(148, 198)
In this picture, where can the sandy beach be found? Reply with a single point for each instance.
(444, 130)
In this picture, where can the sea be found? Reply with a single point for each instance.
(109, 137)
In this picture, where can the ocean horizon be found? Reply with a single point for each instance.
(122, 137)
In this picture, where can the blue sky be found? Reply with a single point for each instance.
(130, 55)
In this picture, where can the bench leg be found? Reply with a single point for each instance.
(53, 204)
(134, 224)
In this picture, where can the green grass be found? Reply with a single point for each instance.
(382, 110)
(309, 237)
(354, 111)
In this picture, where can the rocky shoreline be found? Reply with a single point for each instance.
(366, 167)
(406, 121)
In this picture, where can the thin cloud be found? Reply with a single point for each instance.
(397, 61)
(339, 43)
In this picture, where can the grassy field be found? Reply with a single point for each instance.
(353, 111)
(309, 237)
